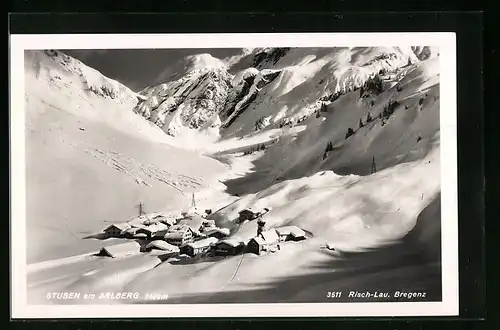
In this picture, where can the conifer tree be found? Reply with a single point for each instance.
(349, 133)
(323, 107)
(374, 166)
(369, 118)
(329, 146)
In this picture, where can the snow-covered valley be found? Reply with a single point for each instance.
(343, 143)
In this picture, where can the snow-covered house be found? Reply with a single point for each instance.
(119, 250)
(157, 230)
(227, 247)
(201, 246)
(168, 220)
(206, 224)
(130, 232)
(148, 231)
(267, 241)
(216, 232)
(116, 229)
(150, 218)
(290, 233)
(179, 235)
(161, 245)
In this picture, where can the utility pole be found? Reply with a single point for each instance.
(193, 202)
(141, 208)
(374, 167)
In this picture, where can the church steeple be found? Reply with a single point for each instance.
(193, 202)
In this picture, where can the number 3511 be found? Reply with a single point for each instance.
(333, 294)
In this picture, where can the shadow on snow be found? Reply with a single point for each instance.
(411, 265)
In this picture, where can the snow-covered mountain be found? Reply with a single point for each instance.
(61, 70)
(55, 78)
(189, 102)
(295, 112)
(342, 142)
(270, 85)
(288, 112)
(90, 159)
(200, 63)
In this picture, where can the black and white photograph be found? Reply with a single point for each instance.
(265, 176)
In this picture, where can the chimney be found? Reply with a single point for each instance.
(260, 226)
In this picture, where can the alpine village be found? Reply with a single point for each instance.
(175, 236)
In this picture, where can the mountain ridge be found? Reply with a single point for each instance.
(289, 67)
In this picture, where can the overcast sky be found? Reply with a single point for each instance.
(135, 68)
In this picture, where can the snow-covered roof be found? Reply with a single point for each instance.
(270, 236)
(159, 234)
(167, 220)
(146, 229)
(121, 249)
(162, 245)
(131, 230)
(137, 224)
(203, 243)
(157, 227)
(330, 246)
(234, 242)
(291, 230)
(259, 240)
(210, 231)
(179, 228)
(121, 226)
(174, 235)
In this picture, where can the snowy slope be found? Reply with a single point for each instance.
(189, 102)
(270, 85)
(66, 83)
(199, 63)
(406, 134)
(309, 75)
(90, 160)
(199, 93)
(353, 211)
(274, 122)
(355, 214)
